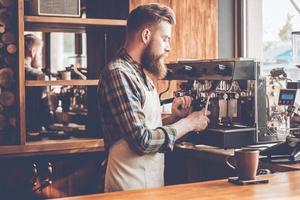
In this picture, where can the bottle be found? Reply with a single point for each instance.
(61, 117)
(59, 107)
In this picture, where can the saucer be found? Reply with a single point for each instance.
(237, 181)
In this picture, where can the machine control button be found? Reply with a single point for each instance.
(223, 70)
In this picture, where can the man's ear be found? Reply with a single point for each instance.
(146, 36)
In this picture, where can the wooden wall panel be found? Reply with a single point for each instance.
(195, 34)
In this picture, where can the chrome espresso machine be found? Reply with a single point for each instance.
(244, 105)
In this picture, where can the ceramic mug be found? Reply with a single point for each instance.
(246, 161)
(65, 75)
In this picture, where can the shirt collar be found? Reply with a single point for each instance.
(137, 66)
(124, 54)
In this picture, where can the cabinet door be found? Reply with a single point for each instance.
(73, 174)
(16, 179)
(28, 178)
(193, 166)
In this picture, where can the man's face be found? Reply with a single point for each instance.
(157, 49)
(37, 56)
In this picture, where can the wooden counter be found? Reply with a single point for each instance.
(281, 186)
(206, 152)
(196, 163)
(53, 147)
(219, 155)
(279, 166)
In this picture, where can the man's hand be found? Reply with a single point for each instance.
(198, 120)
(181, 106)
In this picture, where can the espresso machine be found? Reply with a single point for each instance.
(243, 104)
(288, 150)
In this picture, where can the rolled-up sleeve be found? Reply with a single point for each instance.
(125, 99)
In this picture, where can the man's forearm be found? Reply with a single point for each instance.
(170, 120)
(182, 127)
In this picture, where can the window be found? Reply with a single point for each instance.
(73, 50)
(268, 33)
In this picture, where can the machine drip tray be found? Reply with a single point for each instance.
(229, 137)
(232, 126)
(231, 129)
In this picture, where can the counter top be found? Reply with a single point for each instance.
(52, 147)
(219, 155)
(281, 186)
(202, 150)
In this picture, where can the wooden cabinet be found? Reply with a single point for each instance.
(194, 164)
(76, 160)
(40, 177)
(104, 35)
(104, 27)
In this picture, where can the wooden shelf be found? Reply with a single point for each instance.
(33, 23)
(62, 82)
(73, 145)
(75, 21)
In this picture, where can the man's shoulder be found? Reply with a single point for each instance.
(117, 65)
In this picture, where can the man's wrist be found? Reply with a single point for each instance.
(174, 118)
(171, 119)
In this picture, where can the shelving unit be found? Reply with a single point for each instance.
(54, 24)
(62, 82)
(99, 23)
(68, 21)
(92, 27)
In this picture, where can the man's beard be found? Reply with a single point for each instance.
(154, 63)
(36, 63)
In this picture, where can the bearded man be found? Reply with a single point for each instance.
(135, 136)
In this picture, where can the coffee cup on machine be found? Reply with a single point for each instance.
(246, 163)
(65, 75)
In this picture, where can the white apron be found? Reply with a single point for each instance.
(127, 170)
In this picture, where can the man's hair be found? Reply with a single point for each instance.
(30, 41)
(149, 15)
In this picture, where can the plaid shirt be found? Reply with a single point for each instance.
(120, 99)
